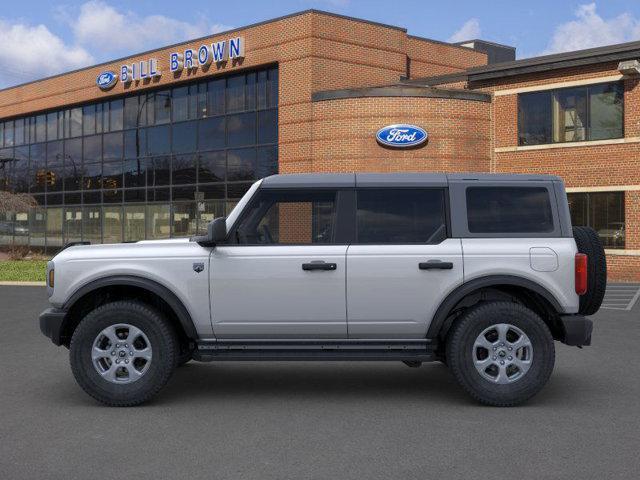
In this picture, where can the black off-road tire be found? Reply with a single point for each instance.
(589, 243)
(460, 346)
(163, 341)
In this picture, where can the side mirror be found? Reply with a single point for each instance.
(217, 230)
(216, 233)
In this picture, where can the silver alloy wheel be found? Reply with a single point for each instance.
(502, 353)
(121, 353)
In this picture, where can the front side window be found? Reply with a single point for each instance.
(593, 112)
(289, 218)
(602, 211)
(518, 210)
(399, 216)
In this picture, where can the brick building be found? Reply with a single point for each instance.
(157, 144)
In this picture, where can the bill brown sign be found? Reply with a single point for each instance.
(189, 59)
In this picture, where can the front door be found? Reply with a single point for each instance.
(402, 263)
(282, 272)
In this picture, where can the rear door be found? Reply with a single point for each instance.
(402, 263)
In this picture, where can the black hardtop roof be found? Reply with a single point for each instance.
(345, 180)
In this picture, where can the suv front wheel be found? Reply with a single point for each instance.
(123, 353)
(501, 353)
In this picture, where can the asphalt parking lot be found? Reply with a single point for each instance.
(317, 420)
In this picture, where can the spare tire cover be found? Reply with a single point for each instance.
(589, 243)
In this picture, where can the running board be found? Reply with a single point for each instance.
(315, 350)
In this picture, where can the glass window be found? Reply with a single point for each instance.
(135, 172)
(215, 96)
(162, 107)
(183, 193)
(54, 227)
(19, 132)
(401, 216)
(602, 211)
(41, 128)
(209, 211)
(112, 226)
(92, 224)
(89, 120)
(267, 161)
(184, 136)
(593, 112)
(180, 102)
(130, 115)
(112, 196)
(92, 176)
(211, 167)
(250, 91)
(184, 219)
(37, 168)
(116, 115)
(112, 145)
(8, 134)
(135, 195)
(158, 221)
(158, 140)
(134, 223)
(55, 167)
(161, 171)
(52, 126)
(241, 129)
(509, 210)
(20, 169)
(37, 226)
(237, 190)
(92, 148)
(235, 93)
(212, 191)
(211, 133)
(75, 122)
(184, 169)
(73, 164)
(272, 88)
(241, 164)
(72, 224)
(606, 106)
(1, 135)
(112, 175)
(268, 126)
(201, 105)
(135, 143)
(289, 217)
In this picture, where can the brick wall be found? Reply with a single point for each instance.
(430, 58)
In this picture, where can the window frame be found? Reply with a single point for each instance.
(552, 92)
(343, 222)
(445, 205)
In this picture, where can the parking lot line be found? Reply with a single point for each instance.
(621, 296)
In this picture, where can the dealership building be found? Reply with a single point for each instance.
(157, 144)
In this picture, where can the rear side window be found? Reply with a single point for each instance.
(401, 216)
(509, 210)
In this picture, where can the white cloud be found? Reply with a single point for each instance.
(591, 30)
(28, 52)
(469, 31)
(105, 29)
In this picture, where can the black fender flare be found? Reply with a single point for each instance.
(467, 288)
(183, 315)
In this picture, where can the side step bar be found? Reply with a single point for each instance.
(315, 350)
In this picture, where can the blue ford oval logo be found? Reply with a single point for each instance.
(401, 136)
(106, 80)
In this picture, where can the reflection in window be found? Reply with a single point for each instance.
(158, 221)
(241, 129)
(184, 169)
(72, 224)
(112, 225)
(211, 167)
(593, 112)
(158, 140)
(184, 137)
(184, 219)
(134, 223)
(211, 133)
(602, 211)
(112, 146)
(54, 227)
(241, 164)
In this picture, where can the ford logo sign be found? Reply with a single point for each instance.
(401, 136)
(106, 80)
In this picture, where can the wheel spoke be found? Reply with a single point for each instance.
(110, 333)
(502, 329)
(110, 374)
(502, 377)
(523, 365)
(482, 341)
(144, 353)
(98, 353)
(133, 373)
(134, 332)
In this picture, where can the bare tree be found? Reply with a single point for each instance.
(16, 202)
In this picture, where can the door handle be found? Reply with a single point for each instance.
(319, 265)
(435, 265)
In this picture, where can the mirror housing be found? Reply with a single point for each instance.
(217, 230)
(216, 233)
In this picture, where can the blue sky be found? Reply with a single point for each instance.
(43, 37)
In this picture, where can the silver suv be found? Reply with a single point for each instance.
(481, 272)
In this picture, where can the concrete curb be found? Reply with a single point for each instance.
(23, 284)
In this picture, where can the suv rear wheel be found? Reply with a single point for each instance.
(123, 353)
(501, 353)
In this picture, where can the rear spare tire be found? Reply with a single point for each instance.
(589, 243)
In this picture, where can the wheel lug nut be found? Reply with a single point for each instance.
(502, 344)
(113, 352)
(510, 348)
(495, 348)
(131, 353)
(118, 361)
(495, 357)
(510, 357)
(501, 362)
(126, 361)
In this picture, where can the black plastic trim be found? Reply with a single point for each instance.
(154, 287)
(469, 287)
(577, 330)
(51, 321)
